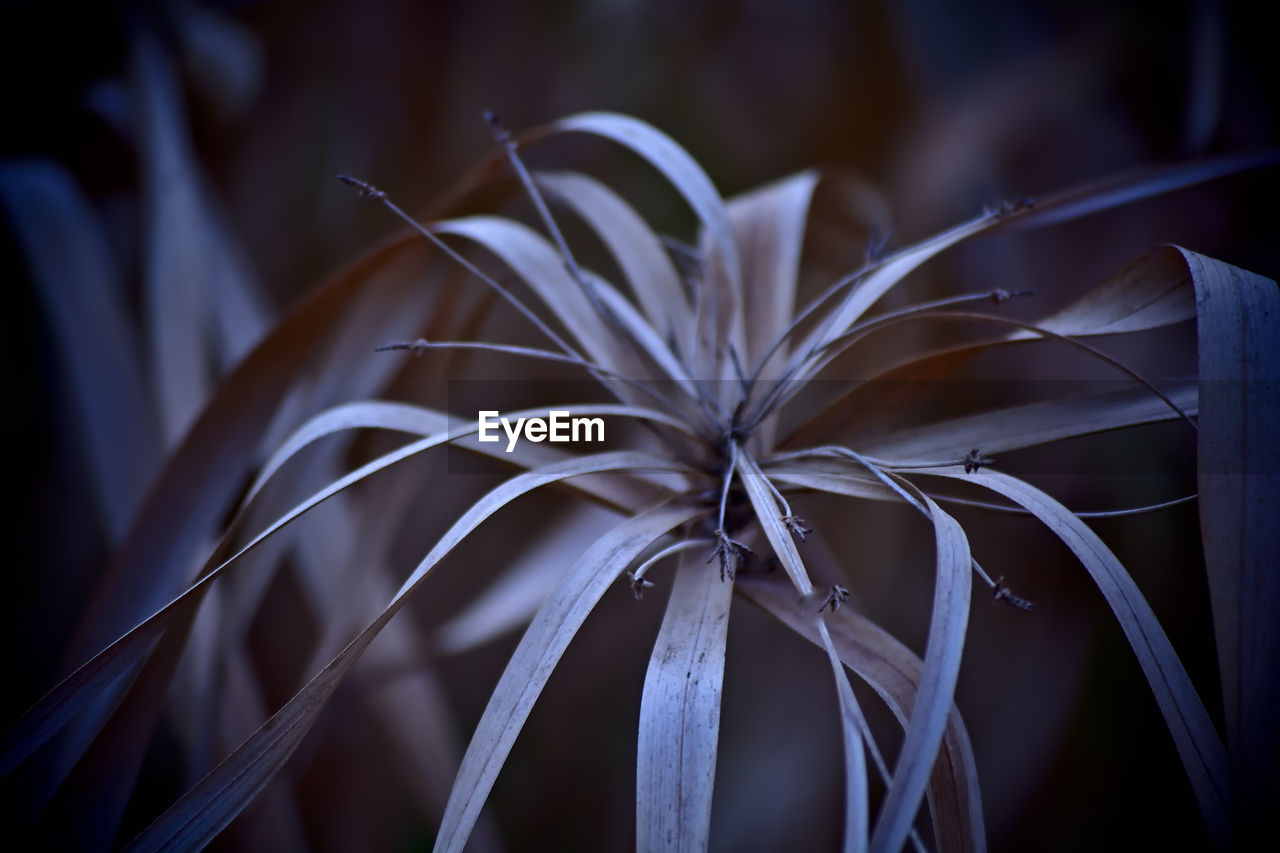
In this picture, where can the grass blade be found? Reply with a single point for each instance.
(723, 269)
(1091, 198)
(827, 475)
(540, 266)
(533, 660)
(76, 692)
(770, 517)
(770, 226)
(856, 821)
(893, 671)
(680, 712)
(674, 162)
(68, 256)
(514, 598)
(1238, 463)
(1033, 424)
(1193, 734)
(1151, 292)
(1135, 185)
(880, 281)
(936, 692)
(634, 247)
(769, 223)
(206, 809)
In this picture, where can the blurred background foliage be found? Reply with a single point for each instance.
(199, 141)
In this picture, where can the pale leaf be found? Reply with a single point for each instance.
(208, 807)
(71, 264)
(935, 696)
(893, 671)
(533, 660)
(680, 712)
(1238, 464)
(1017, 427)
(1197, 742)
(634, 247)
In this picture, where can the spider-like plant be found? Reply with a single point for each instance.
(711, 357)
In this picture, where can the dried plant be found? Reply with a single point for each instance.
(707, 368)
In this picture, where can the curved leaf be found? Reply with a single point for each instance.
(1193, 734)
(769, 225)
(1017, 427)
(534, 659)
(722, 288)
(680, 712)
(1151, 292)
(540, 266)
(214, 802)
(893, 671)
(770, 517)
(936, 692)
(69, 259)
(635, 248)
(674, 162)
(1238, 464)
(856, 821)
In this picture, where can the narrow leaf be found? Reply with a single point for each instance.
(79, 288)
(1134, 185)
(208, 807)
(880, 280)
(770, 517)
(856, 821)
(674, 162)
(535, 571)
(534, 659)
(936, 692)
(1238, 460)
(1151, 292)
(832, 476)
(540, 266)
(893, 671)
(178, 299)
(1033, 424)
(769, 225)
(635, 248)
(1193, 734)
(680, 712)
(1091, 198)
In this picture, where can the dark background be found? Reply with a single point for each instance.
(947, 107)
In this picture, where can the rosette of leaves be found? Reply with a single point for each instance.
(709, 350)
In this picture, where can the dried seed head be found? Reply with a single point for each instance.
(364, 188)
(639, 584)
(416, 347)
(732, 553)
(796, 525)
(974, 461)
(1000, 296)
(1000, 592)
(836, 596)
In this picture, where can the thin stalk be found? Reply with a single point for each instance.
(1031, 327)
(999, 296)
(530, 352)
(367, 189)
